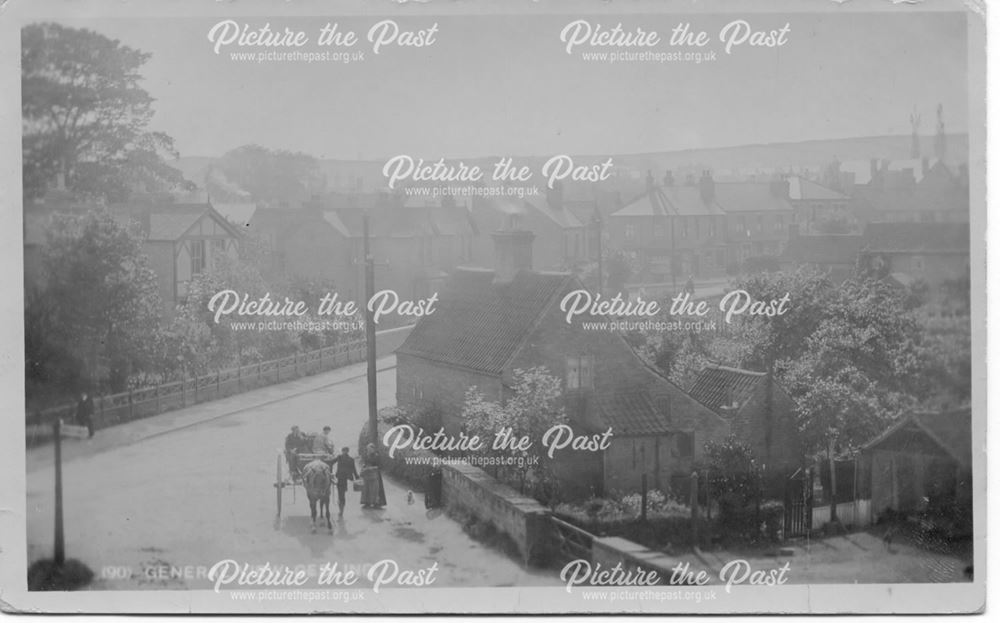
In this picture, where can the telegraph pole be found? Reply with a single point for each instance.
(370, 336)
(599, 224)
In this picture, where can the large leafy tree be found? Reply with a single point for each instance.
(269, 176)
(85, 116)
(99, 311)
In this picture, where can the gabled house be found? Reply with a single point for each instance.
(760, 412)
(814, 203)
(181, 240)
(489, 323)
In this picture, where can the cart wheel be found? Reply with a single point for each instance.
(278, 484)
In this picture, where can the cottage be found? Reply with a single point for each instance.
(490, 323)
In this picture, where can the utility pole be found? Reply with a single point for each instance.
(370, 336)
(59, 550)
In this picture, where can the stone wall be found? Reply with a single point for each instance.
(521, 518)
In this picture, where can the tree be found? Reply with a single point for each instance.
(863, 367)
(534, 406)
(100, 305)
(84, 116)
(271, 176)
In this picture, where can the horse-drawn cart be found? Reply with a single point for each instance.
(288, 478)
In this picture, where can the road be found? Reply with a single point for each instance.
(161, 500)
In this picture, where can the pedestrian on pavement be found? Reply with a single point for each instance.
(373, 492)
(321, 443)
(346, 472)
(85, 413)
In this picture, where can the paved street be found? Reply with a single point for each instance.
(187, 489)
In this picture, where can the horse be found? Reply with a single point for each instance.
(317, 479)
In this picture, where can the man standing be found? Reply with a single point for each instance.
(346, 472)
(294, 442)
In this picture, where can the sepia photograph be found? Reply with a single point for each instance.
(497, 308)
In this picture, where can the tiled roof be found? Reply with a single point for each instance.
(800, 188)
(719, 386)
(239, 214)
(749, 197)
(670, 201)
(630, 411)
(916, 238)
(561, 216)
(823, 249)
(479, 325)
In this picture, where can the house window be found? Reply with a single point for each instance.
(711, 228)
(580, 372)
(685, 445)
(697, 227)
(197, 256)
(630, 232)
(760, 223)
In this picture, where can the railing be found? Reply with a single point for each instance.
(148, 401)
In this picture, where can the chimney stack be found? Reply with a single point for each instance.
(781, 188)
(706, 186)
(554, 195)
(512, 253)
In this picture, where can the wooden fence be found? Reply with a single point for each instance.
(148, 401)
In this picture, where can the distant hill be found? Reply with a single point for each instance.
(813, 154)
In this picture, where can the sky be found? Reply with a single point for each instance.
(505, 85)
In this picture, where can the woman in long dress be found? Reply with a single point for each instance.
(373, 489)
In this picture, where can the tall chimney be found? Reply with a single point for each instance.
(555, 195)
(706, 186)
(512, 253)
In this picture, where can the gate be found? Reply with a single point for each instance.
(798, 503)
(571, 543)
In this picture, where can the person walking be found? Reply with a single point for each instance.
(346, 472)
(373, 491)
(85, 413)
